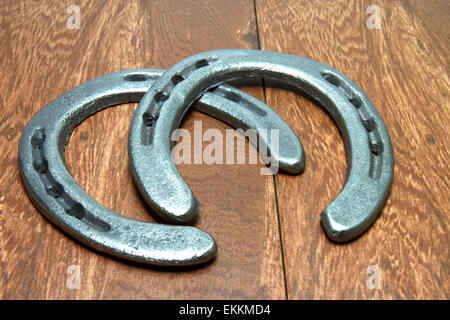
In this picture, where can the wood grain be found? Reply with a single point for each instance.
(403, 67)
(43, 59)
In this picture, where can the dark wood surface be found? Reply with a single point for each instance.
(270, 241)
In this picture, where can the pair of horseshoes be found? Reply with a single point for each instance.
(160, 111)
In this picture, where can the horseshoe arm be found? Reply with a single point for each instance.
(367, 142)
(243, 111)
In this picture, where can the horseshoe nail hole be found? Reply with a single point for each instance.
(369, 124)
(148, 119)
(37, 141)
(41, 166)
(136, 77)
(76, 210)
(331, 78)
(160, 97)
(43, 173)
(55, 190)
(348, 91)
(375, 149)
(201, 63)
(176, 79)
(232, 96)
(96, 223)
(354, 100)
(38, 138)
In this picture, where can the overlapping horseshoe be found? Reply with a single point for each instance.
(367, 142)
(59, 198)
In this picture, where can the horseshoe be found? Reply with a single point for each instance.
(367, 142)
(59, 198)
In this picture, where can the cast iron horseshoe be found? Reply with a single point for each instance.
(59, 198)
(367, 142)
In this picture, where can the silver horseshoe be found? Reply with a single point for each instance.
(367, 142)
(59, 198)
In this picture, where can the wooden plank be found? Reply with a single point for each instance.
(403, 67)
(40, 59)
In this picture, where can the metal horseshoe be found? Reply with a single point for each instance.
(59, 198)
(367, 142)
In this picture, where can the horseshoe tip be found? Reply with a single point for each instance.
(185, 213)
(294, 165)
(205, 247)
(336, 231)
(209, 252)
(291, 158)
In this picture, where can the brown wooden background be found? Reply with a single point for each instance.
(270, 241)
